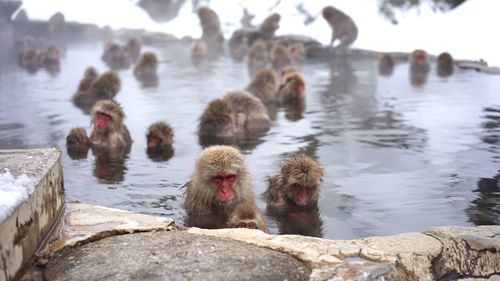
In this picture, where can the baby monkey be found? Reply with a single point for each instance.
(246, 215)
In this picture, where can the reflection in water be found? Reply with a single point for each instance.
(418, 78)
(110, 163)
(160, 153)
(485, 209)
(210, 221)
(294, 109)
(299, 220)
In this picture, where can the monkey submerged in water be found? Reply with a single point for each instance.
(298, 184)
(159, 137)
(146, 70)
(108, 128)
(444, 64)
(220, 182)
(246, 215)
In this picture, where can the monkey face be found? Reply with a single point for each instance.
(301, 194)
(103, 120)
(247, 224)
(224, 185)
(154, 141)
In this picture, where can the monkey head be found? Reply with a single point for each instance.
(52, 54)
(77, 136)
(301, 177)
(246, 215)
(265, 77)
(90, 72)
(296, 85)
(329, 13)
(149, 59)
(218, 120)
(418, 57)
(223, 168)
(199, 50)
(107, 85)
(159, 134)
(107, 115)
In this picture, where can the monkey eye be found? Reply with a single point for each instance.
(218, 178)
(231, 177)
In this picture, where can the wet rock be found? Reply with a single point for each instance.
(467, 252)
(173, 255)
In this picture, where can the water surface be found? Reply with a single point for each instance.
(398, 157)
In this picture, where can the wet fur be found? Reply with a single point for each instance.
(218, 120)
(251, 113)
(146, 70)
(162, 131)
(200, 191)
(246, 211)
(264, 85)
(299, 169)
(280, 57)
(116, 134)
(288, 90)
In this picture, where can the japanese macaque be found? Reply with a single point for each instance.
(50, 58)
(419, 67)
(238, 45)
(90, 75)
(108, 128)
(57, 24)
(292, 88)
(21, 16)
(269, 26)
(251, 113)
(258, 57)
(385, 65)
(264, 85)
(220, 182)
(77, 143)
(30, 59)
(211, 30)
(246, 215)
(285, 71)
(444, 64)
(297, 52)
(218, 120)
(115, 56)
(133, 48)
(146, 70)
(297, 184)
(159, 138)
(199, 52)
(280, 57)
(343, 27)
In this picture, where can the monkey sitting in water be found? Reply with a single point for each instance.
(419, 67)
(343, 27)
(116, 57)
(258, 57)
(297, 185)
(220, 182)
(211, 30)
(159, 137)
(385, 64)
(77, 143)
(133, 48)
(444, 64)
(92, 88)
(280, 57)
(264, 86)
(292, 88)
(146, 70)
(246, 215)
(108, 129)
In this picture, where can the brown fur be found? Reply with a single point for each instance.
(162, 131)
(77, 143)
(146, 70)
(211, 30)
(444, 64)
(116, 57)
(30, 59)
(419, 67)
(343, 27)
(116, 133)
(105, 86)
(269, 26)
(297, 52)
(90, 75)
(199, 51)
(264, 85)
(247, 215)
(280, 57)
(385, 64)
(218, 120)
(258, 56)
(238, 46)
(287, 70)
(200, 191)
(50, 58)
(133, 48)
(299, 169)
(288, 90)
(251, 113)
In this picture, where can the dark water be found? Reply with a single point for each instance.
(397, 157)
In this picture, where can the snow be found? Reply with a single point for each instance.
(466, 32)
(13, 191)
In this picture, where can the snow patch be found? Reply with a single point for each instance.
(13, 191)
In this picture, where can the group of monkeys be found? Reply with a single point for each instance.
(220, 193)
